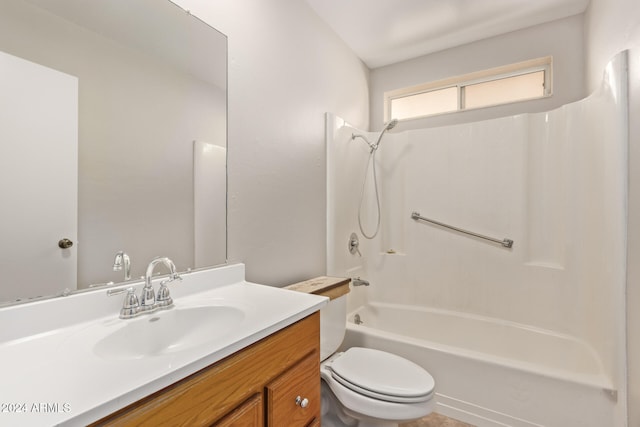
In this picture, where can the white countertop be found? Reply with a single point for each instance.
(51, 375)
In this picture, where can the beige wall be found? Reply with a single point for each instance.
(534, 42)
(286, 69)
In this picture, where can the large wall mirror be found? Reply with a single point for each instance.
(113, 130)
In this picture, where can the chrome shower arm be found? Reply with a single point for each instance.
(357, 135)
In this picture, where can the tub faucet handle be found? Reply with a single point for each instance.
(354, 244)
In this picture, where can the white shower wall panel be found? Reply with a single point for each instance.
(553, 182)
(470, 177)
(346, 163)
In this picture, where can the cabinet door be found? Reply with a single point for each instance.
(293, 398)
(249, 413)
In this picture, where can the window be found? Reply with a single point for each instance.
(512, 83)
(425, 103)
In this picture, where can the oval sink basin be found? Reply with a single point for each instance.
(170, 331)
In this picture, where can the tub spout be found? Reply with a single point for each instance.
(356, 281)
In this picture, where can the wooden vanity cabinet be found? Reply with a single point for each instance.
(257, 386)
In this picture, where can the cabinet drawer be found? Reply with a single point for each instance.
(300, 381)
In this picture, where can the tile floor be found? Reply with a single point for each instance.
(436, 420)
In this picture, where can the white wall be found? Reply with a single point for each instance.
(286, 69)
(611, 26)
(534, 42)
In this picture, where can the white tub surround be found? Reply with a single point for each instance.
(52, 372)
(556, 184)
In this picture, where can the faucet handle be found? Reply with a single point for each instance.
(172, 277)
(130, 306)
(163, 297)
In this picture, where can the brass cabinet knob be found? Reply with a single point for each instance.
(65, 243)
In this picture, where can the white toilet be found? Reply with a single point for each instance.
(365, 387)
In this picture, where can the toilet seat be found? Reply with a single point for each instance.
(381, 375)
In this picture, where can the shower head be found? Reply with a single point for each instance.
(392, 123)
(388, 126)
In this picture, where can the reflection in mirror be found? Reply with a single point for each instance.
(132, 96)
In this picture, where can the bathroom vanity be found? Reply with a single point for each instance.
(228, 352)
(275, 382)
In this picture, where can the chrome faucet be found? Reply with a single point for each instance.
(122, 260)
(148, 300)
(357, 281)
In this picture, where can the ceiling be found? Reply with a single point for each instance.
(383, 32)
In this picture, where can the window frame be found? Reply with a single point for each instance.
(544, 64)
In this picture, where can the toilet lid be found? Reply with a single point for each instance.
(382, 375)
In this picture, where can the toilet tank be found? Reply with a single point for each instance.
(333, 326)
(333, 316)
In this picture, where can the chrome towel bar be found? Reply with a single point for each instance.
(507, 243)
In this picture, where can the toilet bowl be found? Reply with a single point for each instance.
(365, 387)
(372, 387)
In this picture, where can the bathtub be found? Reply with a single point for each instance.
(490, 372)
